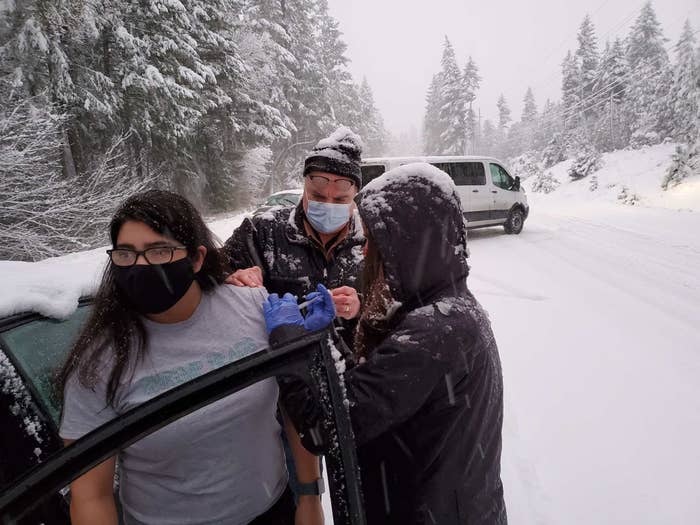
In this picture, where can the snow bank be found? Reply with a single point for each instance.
(631, 177)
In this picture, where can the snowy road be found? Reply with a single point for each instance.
(597, 316)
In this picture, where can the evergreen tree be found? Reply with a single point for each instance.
(432, 127)
(472, 81)
(187, 90)
(685, 91)
(587, 62)
(611, 129)
(488, 139)
(529, 115)
(503, 114)
(571, 93)
(647, 98)
(452, 112)
(528, 122)
(504, 119)
(371, 127)
(612, 72)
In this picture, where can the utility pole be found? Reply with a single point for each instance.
(612, 135)
(479, 141)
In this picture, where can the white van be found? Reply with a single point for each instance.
(490, 196)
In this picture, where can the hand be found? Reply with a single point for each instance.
(309, 511)
(279, 312)
(347, 302)
(319, 313)
(250, 277)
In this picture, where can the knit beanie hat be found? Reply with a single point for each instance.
(339, 154)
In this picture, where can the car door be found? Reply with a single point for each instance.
(503, 195)
(33, 495)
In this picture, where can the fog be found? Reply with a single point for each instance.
(397, 45)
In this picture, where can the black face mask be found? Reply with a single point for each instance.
(155, 288)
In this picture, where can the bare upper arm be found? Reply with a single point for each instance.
(97, 482)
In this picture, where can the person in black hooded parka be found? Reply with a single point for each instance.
(426, 397)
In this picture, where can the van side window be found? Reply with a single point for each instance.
(500, 177)
(464, 173)
(371, 171)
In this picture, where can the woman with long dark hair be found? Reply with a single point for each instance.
(426, 392)
(163, 316)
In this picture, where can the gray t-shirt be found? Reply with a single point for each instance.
(223, 464)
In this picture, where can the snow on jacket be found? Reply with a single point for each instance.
(427, 404)
(292, 261)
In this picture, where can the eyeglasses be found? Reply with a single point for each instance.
(320, 182)
(159, 255)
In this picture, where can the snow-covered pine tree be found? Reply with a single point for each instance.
(685, 164)
(36, 40)
(586, 162)
(488, 139)
(371, 125)
(571, 92)
(452, 112)
(587, 64)
(685, 91)
(544, 183)
(432, 126)
(528, 121)
(503, 113)
(529, 115)
(472, 81)
(504, 119)
(555, 150)
(647, 95)
(611, 130)
(548, 124)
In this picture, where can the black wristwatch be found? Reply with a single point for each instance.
(315, 488)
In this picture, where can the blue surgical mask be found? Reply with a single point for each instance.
(325, 217)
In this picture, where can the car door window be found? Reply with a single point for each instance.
(38, 349)
(500, 177)
(464, 173)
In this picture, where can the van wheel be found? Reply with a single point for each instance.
(514, 223)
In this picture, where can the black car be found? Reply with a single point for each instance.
(35, 468)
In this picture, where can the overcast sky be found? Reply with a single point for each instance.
(397, 44)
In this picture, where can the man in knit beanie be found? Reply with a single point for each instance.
(293, 249)
(338, 154)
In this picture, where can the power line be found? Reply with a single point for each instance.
(604, 90)
(625, 20)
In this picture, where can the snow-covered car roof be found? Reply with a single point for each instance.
(52, 287)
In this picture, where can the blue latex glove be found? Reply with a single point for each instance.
(279, 312)
(319, 313)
